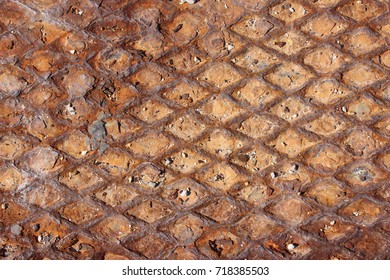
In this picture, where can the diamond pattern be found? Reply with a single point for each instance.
(292, 143)
(186, 161)
(219, 176)
(360, 10)
(220, 143)
(215, 129)
(291, 109)
(289, 76)
(290, 43)
(220, 75)
(324, 25)
(289, 11)
(326, 59)
(256, 92)
(361, 41)
(255, 60)
(220, 109)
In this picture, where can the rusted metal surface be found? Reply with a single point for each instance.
(221, 129)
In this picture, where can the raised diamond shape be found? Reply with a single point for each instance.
(150, 245)
(43, 126)
(259, 126)
(187, 127)
(76, 81)
(185, 93)
(113, 28)
(43, 161)
(330, 228)
(324, 25)
(326, 59)
(220, 244)
(363, 211)
(116, 195)
(327, 158)
(45, 196)
(254, 27)
(150, 77)
(149, 211)
(255, 60)
(114, 228)
(184, 28)
(289, 76)
(120, 128)
(45, 62)
(220, 75)
(186, 61)
(292, 143)
(326, 125)
(362, 142)
(383, 59)
(185, 161)
(383, 92)
(290, 175)
(13, 146)
(361, 75)
(187, 228)
(113, 94)
(382, 25)
(256, 194)
(12, 45)
(256, 92)
(289, 11)
(46, 230)
(78, 111)
(220, 143)
(150, 145)
(151, 45)
(363, 175)
(149, 176)
(12, 213)
(79, 212)
(364, 109)
(360, 41)
(150, 111)
(76, 144)
(220, 176)
(184, 193)
(383, 126)
(220, 108)
(221, 43)
(115, 162)
(79, 246)
(292, 210)
(290, 43)
(114, 60)
(291, 109)
(80, 178)
(44, 95)
(328, 192)
(368, 244)
(220, 210)
(327, 91)
(258, 226)
(13, 80)
(360, 9)
(292, 245)
(255, 160)
(80, 12)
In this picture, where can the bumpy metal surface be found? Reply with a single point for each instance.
(220, 129)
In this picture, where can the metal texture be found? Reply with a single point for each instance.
(220, 129)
